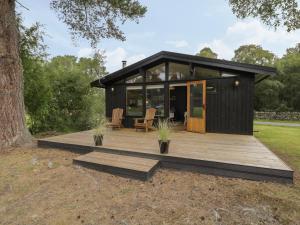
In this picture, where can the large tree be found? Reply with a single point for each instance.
(208, 53)
(254, 54)
(273, 13)
(90, 19)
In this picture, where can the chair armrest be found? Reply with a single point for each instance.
(138, 119)
(149, 119)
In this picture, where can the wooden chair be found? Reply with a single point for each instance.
(116, 120)
(147, 122)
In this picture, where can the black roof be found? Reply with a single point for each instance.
(185, 58)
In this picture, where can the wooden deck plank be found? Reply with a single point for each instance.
(238, 150)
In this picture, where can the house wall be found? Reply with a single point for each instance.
(229, 109)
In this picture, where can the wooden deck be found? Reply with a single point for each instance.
(219, 154)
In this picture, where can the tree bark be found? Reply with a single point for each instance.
(13, 129)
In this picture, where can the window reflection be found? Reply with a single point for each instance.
(179, 71)
(137, 78)
(203, 73)
(156, 74)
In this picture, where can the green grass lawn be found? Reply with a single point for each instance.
(284, 141)
(278, 121)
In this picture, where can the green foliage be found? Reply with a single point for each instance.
(37, 90)
(267, 95)
(74, 104)
(289, 74)
(164, 130)
(254, 54)
(94, 20)
(273, 13)
(208, 53)
(57, 93)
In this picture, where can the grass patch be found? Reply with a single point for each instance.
(285, 141)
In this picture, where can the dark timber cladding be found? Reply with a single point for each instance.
(229, 108)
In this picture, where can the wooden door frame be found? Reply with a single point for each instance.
(188, 84)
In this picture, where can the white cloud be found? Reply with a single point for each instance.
(178, 44)
(85, 52)
(252, 32)
(115, 57)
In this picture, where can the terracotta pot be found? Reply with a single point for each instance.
(98, 139)
(164, 146)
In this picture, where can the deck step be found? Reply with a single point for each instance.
(123, 165)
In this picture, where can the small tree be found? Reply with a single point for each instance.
(208, 53)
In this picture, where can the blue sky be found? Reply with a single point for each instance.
(171, 25)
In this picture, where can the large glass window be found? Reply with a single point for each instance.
(155, 98)
(196, 100)
(179, 71)
(137, 78)
(203, 73)
(134, 101)
(156, 73)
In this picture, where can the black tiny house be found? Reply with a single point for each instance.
(212, 95)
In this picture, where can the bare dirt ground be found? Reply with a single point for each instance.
(42, 186)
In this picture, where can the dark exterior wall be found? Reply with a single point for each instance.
(114, 99)
(230, 109)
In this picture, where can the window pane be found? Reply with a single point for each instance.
(196, 100)
(156, 73)
(179, 71)
(137, 78)
(203, 73)
(155, 98)
(134, 102)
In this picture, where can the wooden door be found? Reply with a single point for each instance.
(196, 106)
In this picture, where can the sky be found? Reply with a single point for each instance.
(169, 25)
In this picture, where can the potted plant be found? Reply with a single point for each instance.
(164, 131)
(99, 132)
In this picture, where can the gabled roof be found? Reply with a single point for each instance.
(165, 55)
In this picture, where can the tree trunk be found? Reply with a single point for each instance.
(12, 112)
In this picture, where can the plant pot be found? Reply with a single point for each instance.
(164, 146)
(98, 139)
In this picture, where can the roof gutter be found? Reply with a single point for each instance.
(261, 79)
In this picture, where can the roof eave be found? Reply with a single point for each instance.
(164, 55)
